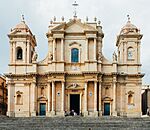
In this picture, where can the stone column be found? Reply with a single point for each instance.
(11, 52)
(63, 97)
(53, 99)
(28, 55)
(11, 100)
(14, 52)
(79, 55)
(114, 98)
(62, 49)
(100, 98)
(49, 98)
(94, 49)
(86, 50)
(85, 100)
(54, 47)
(95, 96)
(33, 98)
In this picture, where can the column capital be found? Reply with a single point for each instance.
(86, 81)
(53, 81)
(10, 83)
(49, 81)
(95, 81)
(26, 84)
(63, 81)
(100, 81)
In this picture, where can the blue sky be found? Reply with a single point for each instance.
(111, 13)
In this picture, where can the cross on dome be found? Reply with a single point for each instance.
(22, 18)
(75, 4)
(128, 16)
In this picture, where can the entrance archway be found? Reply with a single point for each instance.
(42, 106)
(75, 103)
(42, 109)
(106, 109)
(107, 103)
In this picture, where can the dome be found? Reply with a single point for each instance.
(21, 28)
(129, 28)
(22, 25)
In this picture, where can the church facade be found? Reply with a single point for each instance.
(75, 75)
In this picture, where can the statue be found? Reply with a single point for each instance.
(100, 56)
(34, 57)
(114, 56)
(50, 56)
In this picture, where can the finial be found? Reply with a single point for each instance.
(22, 18)
(51, 22)
(54, 18)
(87, 18)
(95, 19)
(62, 18)
(128, 16)
(75, 11)
(99, 22)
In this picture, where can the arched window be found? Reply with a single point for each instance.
(19, 100)
(130, 54)
(74, 55)
(130, 99)
(19, 53)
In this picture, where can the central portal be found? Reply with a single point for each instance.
(75, 103)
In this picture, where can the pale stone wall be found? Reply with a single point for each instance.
(94, 79)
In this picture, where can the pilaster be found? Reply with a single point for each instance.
(49, 99)
(85, 99)
(33, 99)
(86, 50)
(100, 98)
(62, 49)
(63, 96)
(54, 48)
(53, 99)
(94, 49)
(114, 112)
(95, 99)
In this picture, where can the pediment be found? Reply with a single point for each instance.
(59, 27)
(107, 99)
(74, 26)
(42, 98)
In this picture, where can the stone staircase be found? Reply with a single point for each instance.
(74, 123)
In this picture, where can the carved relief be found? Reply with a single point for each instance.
(100, 56)
(73, 85)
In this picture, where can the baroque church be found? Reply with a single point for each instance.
(75, 75)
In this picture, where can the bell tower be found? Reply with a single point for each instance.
(22, 46)
(128, 43)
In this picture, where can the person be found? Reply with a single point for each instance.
(147, 111)
(75, 113)
(66, 113)
(72, 113)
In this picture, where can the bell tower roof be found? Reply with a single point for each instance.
(129, 31)
(21, 28)
(129, 28)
